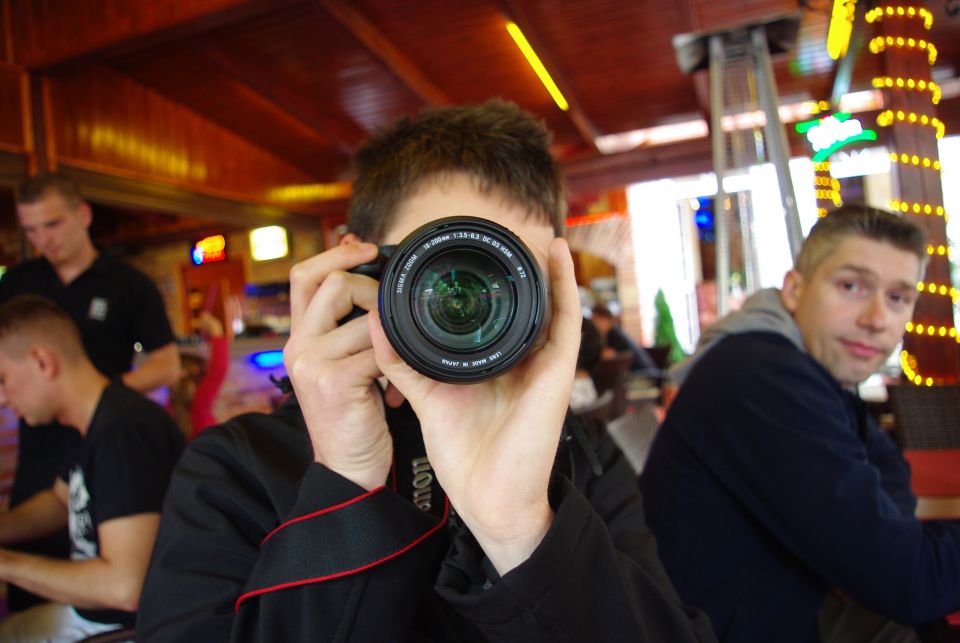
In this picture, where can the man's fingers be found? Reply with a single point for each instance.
(307, 276)
(334, 299)
(407, 381)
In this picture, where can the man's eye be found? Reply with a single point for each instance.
(850, 286)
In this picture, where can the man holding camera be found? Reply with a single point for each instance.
(427, 511)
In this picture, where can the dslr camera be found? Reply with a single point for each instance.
(461, 299)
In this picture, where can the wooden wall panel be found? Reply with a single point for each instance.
(48, 32)
(105, 122)
(11, 109)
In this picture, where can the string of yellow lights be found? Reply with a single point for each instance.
(918, 161)
(939, 250)
(909, 365)
(887, 117)
(908, 362)
(882, 43)
(939, 289)
(889, 82)
(879, 13)
(908, 207)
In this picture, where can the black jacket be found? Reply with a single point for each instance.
(257, 542)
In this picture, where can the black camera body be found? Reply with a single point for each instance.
(461, 299)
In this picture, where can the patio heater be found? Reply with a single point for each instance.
(746, 130)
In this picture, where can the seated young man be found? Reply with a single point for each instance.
(778, 505)
(305, 525)
(110, 492)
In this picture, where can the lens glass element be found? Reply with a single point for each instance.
(464, 300)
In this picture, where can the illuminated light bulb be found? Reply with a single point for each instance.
(943, 291)
(927, 209)
(919, 329)
(909, 326)
(929, 381)
(942, 332)
(930, 330)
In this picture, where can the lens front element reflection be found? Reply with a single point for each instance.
(463, 306)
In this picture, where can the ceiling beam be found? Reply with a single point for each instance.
(384, 50)
(584, 126)
(131, 193)
(51, 35)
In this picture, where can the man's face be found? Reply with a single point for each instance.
(603, 324)
(57, 231)
(455, 195)
(852, 310)
(24, 389)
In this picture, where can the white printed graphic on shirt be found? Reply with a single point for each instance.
(80, 520)
(98, 309)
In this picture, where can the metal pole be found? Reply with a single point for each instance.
(776, 135)
(721, 215)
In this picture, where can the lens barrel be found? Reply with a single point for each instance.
(462, 300)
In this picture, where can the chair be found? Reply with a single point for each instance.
(611, 375)
(926, 417)
(601, 408)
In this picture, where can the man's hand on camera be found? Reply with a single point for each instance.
(493, 444)
(332, 367)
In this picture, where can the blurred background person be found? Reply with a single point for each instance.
(201, 376)
(616, 341)
(114, 305)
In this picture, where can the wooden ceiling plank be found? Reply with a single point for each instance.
(57, 35)
(579, 117)
(384, 50)
(328, 128)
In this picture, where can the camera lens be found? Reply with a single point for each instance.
(463, 302)
(462, 299)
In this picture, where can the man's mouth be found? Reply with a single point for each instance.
(859, 349)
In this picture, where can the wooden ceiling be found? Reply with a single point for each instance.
(240, 101)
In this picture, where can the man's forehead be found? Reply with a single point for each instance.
(870, 256)
(49, 206)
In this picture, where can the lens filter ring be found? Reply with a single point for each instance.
(462, 300)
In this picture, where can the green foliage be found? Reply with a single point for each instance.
(664, 333)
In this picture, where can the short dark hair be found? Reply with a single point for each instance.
(601, 311)
(861, 221)
(39, 187)
(28, 319)
(496, 143)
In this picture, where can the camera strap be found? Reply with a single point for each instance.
(412, 476)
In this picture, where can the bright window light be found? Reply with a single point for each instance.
(269, 243)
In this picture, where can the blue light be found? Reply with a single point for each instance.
(267, 359)
(197, 256)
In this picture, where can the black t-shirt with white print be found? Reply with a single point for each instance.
(120, 468)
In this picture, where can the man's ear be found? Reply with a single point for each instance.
(47, 361)
(86, 215)
(792, 290)
(350, 238)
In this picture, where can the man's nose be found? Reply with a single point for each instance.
(874, 315)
